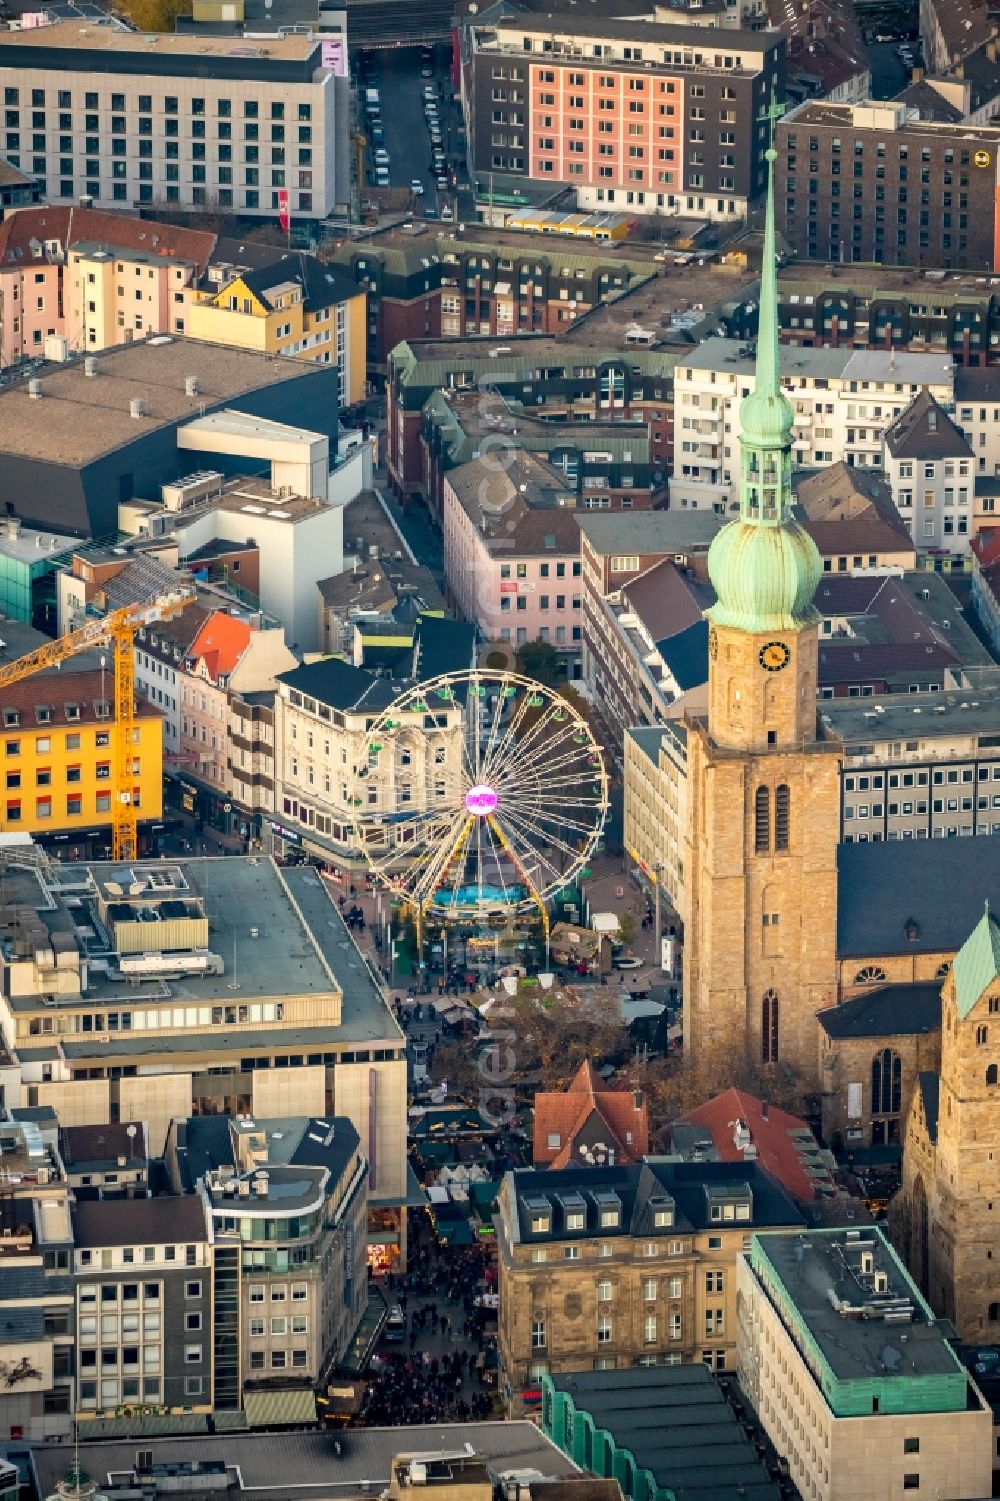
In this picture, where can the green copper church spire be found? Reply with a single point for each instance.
(765, 566)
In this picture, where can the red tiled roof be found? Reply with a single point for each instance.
(986, 546)
(777, 1151)
(72, 225)
(623, 1114)
(220, 643)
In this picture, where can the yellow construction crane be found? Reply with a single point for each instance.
(116, 630)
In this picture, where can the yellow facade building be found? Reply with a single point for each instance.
(296, 306)
(58, 759)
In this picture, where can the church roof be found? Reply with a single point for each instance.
(977, 963)
(905, 896)
(887, 1011)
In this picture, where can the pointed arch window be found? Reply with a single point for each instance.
(887, 1082)
(982, 1036)
(762, 821)
(770, 1008)
(782, 815)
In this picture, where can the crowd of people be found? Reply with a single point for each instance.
(437, 1376)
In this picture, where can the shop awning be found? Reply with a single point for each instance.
(290, 1408)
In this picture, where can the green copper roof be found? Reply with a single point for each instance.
(977, 963)
(765, 567)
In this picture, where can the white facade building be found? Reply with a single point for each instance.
(930, 466)
(844, 400)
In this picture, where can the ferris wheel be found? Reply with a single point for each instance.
(483, 793)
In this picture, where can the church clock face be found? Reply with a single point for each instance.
(774, 656)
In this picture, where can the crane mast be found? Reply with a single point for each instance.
(116, 630)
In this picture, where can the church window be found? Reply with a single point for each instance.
(769, 1020)
(993, 1313)
(887, 1080)
(870, 975)
(762, 821)
(991, 1074)
(994, 1004)
(782, 804)
(982, 1036)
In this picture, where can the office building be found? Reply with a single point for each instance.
(850, 1375)
(324, 716)
(875, 182)
(638, 115)
(609, 1267)
(59, 747)
(240, 978)
(187, 121)
(287, 1203)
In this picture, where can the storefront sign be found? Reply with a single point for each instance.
(283, 833)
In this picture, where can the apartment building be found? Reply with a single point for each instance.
(851, 1376)
(93, 279)
(606, 466)
(239, 977)
(634, 114)
(130, 120)
(422, 284)
(930, 466)
(228, 657)
(296, 306)
(512, 552)
(250, 734)
(875, 182)
(843, 401)
(952, 313)
(143, 1282)
(59, 748)
(610, 1267)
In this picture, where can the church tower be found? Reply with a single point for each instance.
(763, 829)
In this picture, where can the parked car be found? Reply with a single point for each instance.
(416, 186)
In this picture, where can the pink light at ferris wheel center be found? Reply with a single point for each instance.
(481, 800)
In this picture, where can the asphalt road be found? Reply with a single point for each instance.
(407, 139)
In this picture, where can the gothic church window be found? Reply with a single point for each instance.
(762, 821)
(887, 1080)
(982, 1036)
(770, 1008)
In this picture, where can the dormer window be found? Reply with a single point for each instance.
(72, 711)
(663, 1213)
(609, 1209)
(574, 1211)
(575, 1219)
(11, 718)
(539, 1215)
(43, 714)
(728, 1203)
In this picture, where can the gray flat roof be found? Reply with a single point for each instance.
(898, 367)
(939, 884)
(648, 531)
(289, 1466)
(915, 716)
(811, 1267)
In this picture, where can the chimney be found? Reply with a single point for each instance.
(991, 49)
(638, 1098)
(137, 407)
(958, 71)
(35, 389)
(90, 366)
(191, 386)
(917, 75)
(763, 1110)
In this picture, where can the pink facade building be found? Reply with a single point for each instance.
(512, 552)
(92, 279)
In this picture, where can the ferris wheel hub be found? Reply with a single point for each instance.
(481, 800)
